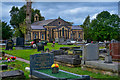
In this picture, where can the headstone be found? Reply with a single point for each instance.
(65, 48)
(36, 41)
(56, 40)
(40, 47)
(9, 45)
(61, 40)
(41, 61)
(12, 75)
(69, 59)
(90, 52)
(108, 58)
(20, 42)
(47, 50)
(3, 67)
(115, 47)
(59, 52)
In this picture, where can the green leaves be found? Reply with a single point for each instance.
(105, 27)
(18, 17)
(6, 31)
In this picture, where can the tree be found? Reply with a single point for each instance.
(86, 27)
(6, 31)
(18, 16)
(105, 27)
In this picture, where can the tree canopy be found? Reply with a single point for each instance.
(19, 15)
(106, 26)
(6, 31)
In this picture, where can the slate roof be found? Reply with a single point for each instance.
(76, 27)
(40, 24)
(37, 27)
(44, 22)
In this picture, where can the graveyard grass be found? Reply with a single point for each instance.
(25, 54)
(18, 65)
(77, 70)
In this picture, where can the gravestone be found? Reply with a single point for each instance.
(41, 61)
(20, 42)
(90, 52)
(69, 59)
(61, 40)
(12, 75)
(56, 40)
(59, 52)
(108, 58)
(3, 67)
(115, 47)
(40, 47)
(47, 50)
(9, 45)
(2, 54)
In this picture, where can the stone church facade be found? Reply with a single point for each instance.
(55, 28)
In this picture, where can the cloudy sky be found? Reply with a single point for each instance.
(75, 12)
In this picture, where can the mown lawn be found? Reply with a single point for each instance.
(25, 54)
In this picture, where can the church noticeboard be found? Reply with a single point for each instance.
(41, 61)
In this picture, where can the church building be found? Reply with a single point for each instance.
(52, 29)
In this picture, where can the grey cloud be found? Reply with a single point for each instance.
(71, 11)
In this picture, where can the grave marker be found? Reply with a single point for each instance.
(9, 44)
(41, 61)
(91, 52)
(20, 42)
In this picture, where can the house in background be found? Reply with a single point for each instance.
(55, 28)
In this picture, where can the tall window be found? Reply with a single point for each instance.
(60, 33)
(42, 36)
(63, 32)
(35, 35)
(79, 35)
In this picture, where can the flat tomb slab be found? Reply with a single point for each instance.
(105, 66)
(47, 73)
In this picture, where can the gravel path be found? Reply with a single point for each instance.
(20, 59)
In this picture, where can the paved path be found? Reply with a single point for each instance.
(20, 59)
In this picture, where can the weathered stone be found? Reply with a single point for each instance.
(12, 74)
(3, 67)
(70, 59)
(20, 42)
(9, 45)
(65, 48)
(41, 61)
(91, 52)
(40, 47)
(59, 52)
